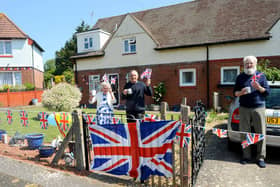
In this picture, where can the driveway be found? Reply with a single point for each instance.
(221, 167)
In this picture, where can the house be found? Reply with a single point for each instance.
(21, 58)
(196, 48)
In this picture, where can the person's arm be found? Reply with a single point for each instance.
(262, 87)
(237, 90)
(92, 99)
(148, 89)
(112, 96)
(124, 91)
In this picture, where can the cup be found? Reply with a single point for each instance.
(93, 92)
(5, 138)
(129, 91)
(248, 89)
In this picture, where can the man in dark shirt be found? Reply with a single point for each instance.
(252, 88)
(134, 93)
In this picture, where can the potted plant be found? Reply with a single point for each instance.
(159, 92)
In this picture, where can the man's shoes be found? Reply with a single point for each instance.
(244, 161)
(261, 163)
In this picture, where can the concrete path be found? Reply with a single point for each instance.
(18, 173)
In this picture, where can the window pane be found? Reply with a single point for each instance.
(6, 78)
(187, 77)
(132, 48)
(86, 45)
(17, 78)
(126, 49)
(1, 48)
(230, 75)
(90, 42)
(94, 82)
(8, 47)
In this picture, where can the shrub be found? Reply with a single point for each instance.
(29, 86)
(69, 76)
(159, 92)
(62, 97)
(59, 78)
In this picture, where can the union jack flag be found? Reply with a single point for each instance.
(146, 74)
(116, 120)
(184, 134)
(135, 149)
(113, 80)
(43, 120)
(105, 78)
(90, 119)
(222, 133)
(150, 118)
(9, 116)
(24, 118)
(251, 138)
(256, 77)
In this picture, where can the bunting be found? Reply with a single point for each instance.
(43, 120)
(150, 118)
(9, 116)
(222, 133)
(146, 74)
(24, 118)
(105, 78)
(89, 119)
(184, 134)
(251, 138)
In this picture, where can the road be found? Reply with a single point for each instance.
(221, 167)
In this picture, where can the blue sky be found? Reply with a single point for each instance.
(52, 22)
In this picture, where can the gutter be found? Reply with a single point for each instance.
(213, 43)
(207, 75)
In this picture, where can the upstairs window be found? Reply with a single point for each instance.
(187, 77)
(129, 45)
(88, 43)
(5, 48)
(229, 74)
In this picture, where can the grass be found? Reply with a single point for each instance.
(214, 116)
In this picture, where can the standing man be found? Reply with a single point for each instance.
(133, 93)
(252, 88)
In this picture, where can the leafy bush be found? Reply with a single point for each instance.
(69, 76)
(29, 86)
(59, 78)
(271, 73)
(159, 92)
(62, 97)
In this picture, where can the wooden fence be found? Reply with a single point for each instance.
(20, 98)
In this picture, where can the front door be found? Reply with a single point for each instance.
(115, 86)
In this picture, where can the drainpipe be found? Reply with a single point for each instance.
(33, 64)
(75, 72)
(207, 75)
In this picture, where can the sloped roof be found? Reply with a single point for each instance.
(203, 22)
(9, 30)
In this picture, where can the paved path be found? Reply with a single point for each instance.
(21, 174)
(221, 167)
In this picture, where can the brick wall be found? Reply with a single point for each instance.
(27, 77)
(169, 74)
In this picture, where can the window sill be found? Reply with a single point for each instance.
(225, 85)
(188, 86)
(6, 56)
(128, 54)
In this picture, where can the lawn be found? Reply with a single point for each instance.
(52, 131)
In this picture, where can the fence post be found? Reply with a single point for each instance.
(186, 152)
(79, 137)
(8, 96)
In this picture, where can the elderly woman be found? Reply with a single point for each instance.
(105, 100)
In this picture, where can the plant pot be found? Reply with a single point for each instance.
(2, 132)
(34, 101)
(154, 107)
(34, 140)
(46, 150)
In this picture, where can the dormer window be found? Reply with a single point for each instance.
(5, 48)
(129, 45)
(88, 44)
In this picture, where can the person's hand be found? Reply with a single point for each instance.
(256, 85)
(110, 90)
(147, 81)
(124, 92)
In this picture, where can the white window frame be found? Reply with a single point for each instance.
(4, 47)
(89, 42)
(193, 70)
(90, 79)
(13, 78)
(130, 41)
(226, 68)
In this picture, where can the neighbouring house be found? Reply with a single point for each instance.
(196, 48)
(21, 58)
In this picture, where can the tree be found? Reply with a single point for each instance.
(62, 60)
(49, 69)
